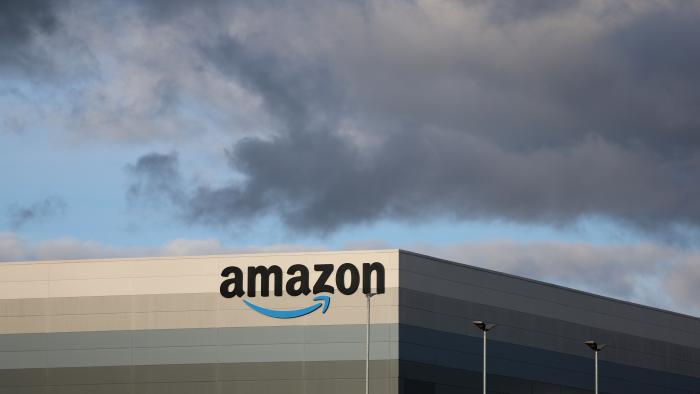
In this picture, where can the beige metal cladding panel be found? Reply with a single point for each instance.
(170, 311)
(23, 289)
(159, 275)
(106, 296)
(19, 272)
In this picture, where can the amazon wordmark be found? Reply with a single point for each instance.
(347, 279)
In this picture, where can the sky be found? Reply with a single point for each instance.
(557, 140)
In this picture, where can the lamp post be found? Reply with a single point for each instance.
(596, 347)
(484, 327)
(369, 306)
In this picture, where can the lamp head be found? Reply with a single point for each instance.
(483, 326)
(595, 346)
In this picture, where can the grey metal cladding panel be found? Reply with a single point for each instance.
(94, 376)
(455, 381)
(303, 378)
(454, 315)
(306, 334)
(179, 387)
(186, 387)
(23, 342)
(175, 373)
(82, 357)
(73, 340)
(165, 355)
(195, 354)
(353, 386)
(420, 378)
(496, 289)
(22, 377)
(194, 337)
(526, 365)
(306, 352)
(451, 315)
(24, 390)
(352, 369)
(464, 352)
(195, 373)
(377, 386)
(187, 346)
(310, 370)
(324, 386)
(167, 338)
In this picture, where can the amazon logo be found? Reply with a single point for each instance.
(296, 281)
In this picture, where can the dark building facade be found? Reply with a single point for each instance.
(295, 323)
(537, 346)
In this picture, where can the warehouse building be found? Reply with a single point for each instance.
(295, 323)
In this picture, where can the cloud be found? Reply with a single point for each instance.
(319, 182)
(12, 248)
(525, 113)
(155, 175)
(60, 61)
(682, 283)
(21, 21)
(15, 248)
(341, 113)
(20, 216)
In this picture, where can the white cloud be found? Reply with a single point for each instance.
(11, 247)
(15, 248)
(683, 283)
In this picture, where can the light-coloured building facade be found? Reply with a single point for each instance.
(295, 323)
(161, 325)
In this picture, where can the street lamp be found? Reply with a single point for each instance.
(596, 347)
(369, 306)
(484, 327)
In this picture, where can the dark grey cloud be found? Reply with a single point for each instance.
(407, 111)
(20, 22)
(286, 88)
(156, 176)
(510, 11)
(21, 215)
